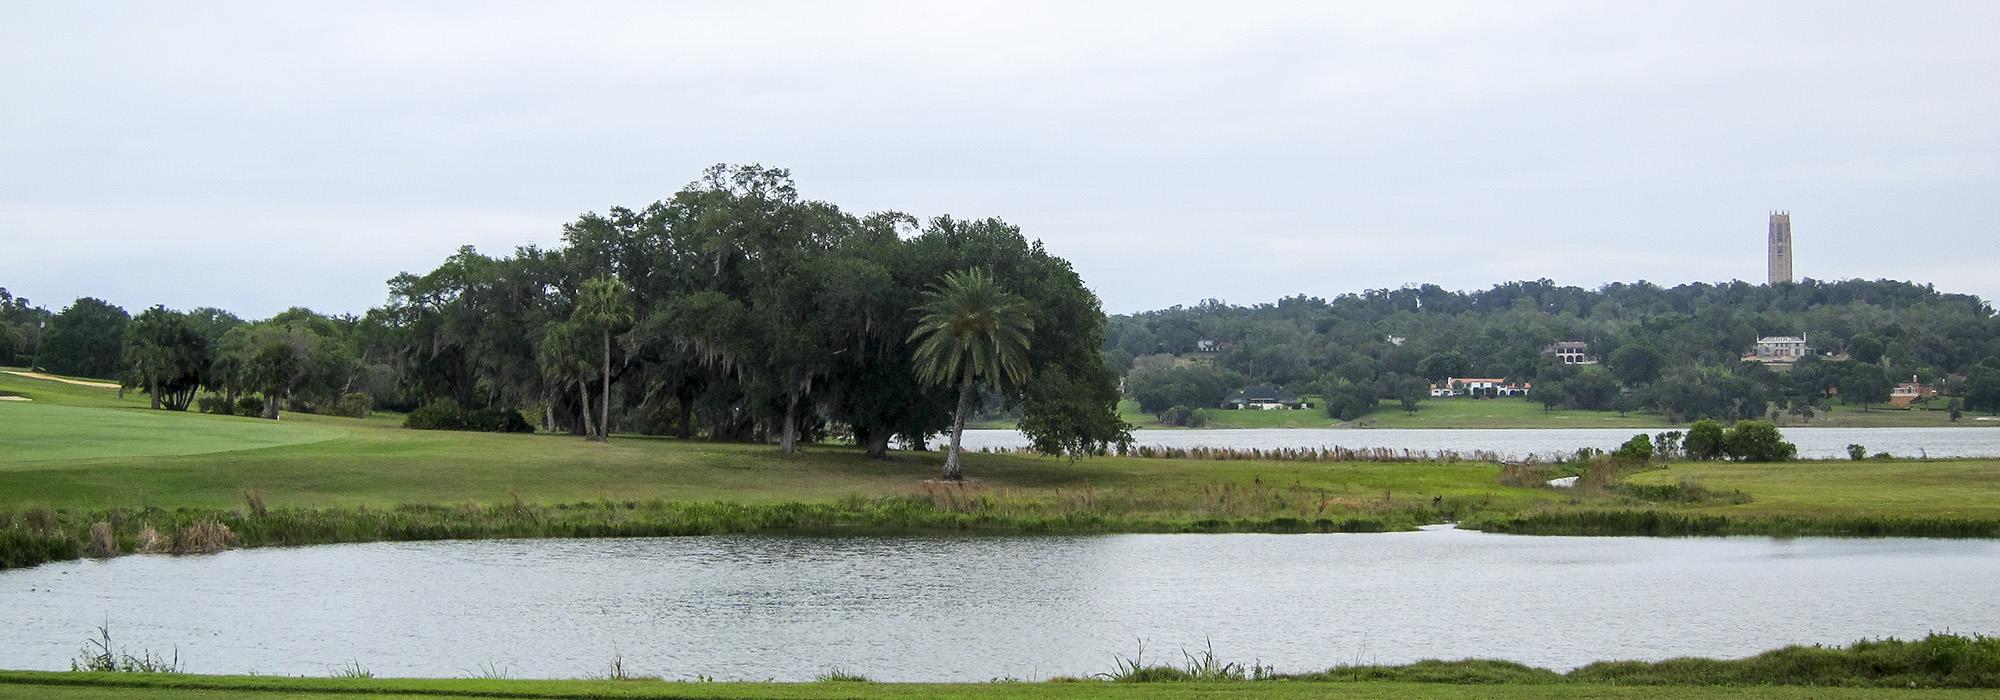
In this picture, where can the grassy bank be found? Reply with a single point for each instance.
(224, 688)
(1937, 666)
(79, 456)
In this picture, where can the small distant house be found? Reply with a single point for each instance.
(1395, 340)
(1571, 352)
(1912, 391)
(1478, 387)
(1264, 397)
(1211, 346)
(1778, 350)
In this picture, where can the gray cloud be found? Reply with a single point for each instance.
(260, 155)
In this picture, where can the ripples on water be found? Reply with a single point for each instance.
(977, 608)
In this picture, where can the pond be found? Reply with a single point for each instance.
(978, 608)
(1542, 442)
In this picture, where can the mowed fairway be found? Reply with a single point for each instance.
(45, 431)
(66, 421)
(83, 447)
(128, 456)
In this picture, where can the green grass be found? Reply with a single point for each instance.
(1922, 668)
(40, 432)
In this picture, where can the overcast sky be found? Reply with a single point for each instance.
(262, 155)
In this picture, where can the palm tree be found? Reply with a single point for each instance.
(602, 306)
(972, 329)
(565, 359)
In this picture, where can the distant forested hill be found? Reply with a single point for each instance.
(1673, 349)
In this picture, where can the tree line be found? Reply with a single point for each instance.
(733, 310)
(1674, 350)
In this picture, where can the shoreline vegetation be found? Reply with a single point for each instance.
(1908, 668)
(91, 475)
(1521, 414)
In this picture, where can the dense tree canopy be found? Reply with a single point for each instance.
(1674, 350)
(167, 357)
(736, 309)
(87, 339)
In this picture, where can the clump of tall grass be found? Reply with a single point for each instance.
(1686, 492)
(840, 675)
(617, 671)
(204, 537)
(352, 669)
(1205, 666)
(254, 500)
(489, 670)
(103, 542)
(100, 655)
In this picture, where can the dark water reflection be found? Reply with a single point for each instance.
(976, 608)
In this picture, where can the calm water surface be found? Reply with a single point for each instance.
(976, 608)
(1521, 443)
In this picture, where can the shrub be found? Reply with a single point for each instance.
(1704, 440)
(1184, 417)
(1757, 441)
(436, 415)
(215, 404)
(445, 415)
(355, 405)
(250, 406)
(1637, 449)
(1857, 452)
(494, 420)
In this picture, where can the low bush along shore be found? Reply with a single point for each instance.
(88, 474)
(1935, 666)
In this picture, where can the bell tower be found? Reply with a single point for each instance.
(1779, 256)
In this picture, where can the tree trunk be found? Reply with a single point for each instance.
(687, 419)
(788, 437)
(153, 390)
(271, 402)
(583, 406)
(953, 471)
(604, 402)
(875, 443)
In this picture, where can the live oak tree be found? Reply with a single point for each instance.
(167, 357)
(86, 339)
(971, 330)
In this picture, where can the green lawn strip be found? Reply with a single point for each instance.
(51, 392)
(80, 686)
(1907, 488)
(58, 432)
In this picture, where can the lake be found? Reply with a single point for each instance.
(1540, 443)
(977, 608)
